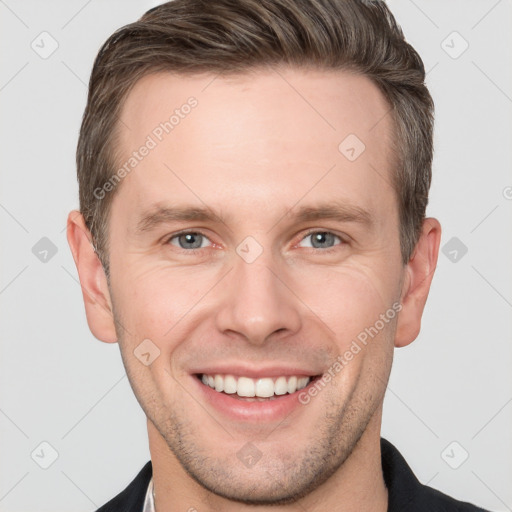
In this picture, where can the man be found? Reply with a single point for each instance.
(289, 145)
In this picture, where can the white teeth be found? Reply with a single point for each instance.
(292, 384)
(264, 388)
(281, 386)
(246, 387)
(229, 384)
(302, 382)
(219, 383)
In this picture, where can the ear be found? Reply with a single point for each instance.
(418, 274)
(97, 300)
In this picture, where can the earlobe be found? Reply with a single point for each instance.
(419, 272)
(93, 281)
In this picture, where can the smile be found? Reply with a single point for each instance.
(262, 388)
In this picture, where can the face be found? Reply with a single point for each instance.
(254, 240)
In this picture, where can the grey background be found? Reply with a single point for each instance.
(59, 385)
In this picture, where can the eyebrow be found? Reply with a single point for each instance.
(338, 211)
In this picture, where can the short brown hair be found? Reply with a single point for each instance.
(233, 36)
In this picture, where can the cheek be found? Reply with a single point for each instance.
(361, 312)
(348, 299)
(162, 305)
(154, 300)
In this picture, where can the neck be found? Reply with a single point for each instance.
(358, 484)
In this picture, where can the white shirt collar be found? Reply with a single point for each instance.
(149, 503)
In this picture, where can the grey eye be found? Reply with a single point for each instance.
(189, 240)
(321, 239)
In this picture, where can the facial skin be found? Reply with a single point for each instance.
(255, 151)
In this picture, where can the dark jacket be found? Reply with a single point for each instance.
(405, 492)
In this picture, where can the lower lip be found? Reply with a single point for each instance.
(242, 410)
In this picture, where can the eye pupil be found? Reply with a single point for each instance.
(192, 240)
(322, 237)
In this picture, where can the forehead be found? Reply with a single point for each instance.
(268, 134)
(333, 102)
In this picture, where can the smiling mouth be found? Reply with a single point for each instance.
(256, 390)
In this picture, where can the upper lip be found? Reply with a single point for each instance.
(243, 370)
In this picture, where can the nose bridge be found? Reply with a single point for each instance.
(256, 302)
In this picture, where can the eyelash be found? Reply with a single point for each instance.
(308, 233)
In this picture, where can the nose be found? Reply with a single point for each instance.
(258, 303)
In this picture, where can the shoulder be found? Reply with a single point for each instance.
(443, 503)
(132, 498)
(407, 494)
